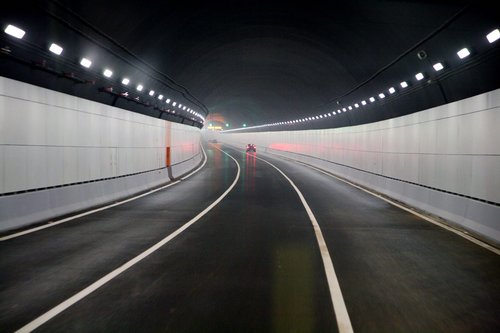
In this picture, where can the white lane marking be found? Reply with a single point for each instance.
(427, 218)
(52, 224)
(108, 277)
(343, 320)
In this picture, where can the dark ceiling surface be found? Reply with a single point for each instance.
(258, 62)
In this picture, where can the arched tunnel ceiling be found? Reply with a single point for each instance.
(257, 62)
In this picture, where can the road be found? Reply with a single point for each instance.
(233, 248)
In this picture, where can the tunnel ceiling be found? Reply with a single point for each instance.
(257, 62)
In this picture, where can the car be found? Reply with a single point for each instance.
(213, 141)
(251, 148)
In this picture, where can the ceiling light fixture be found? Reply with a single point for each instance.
(493, 36)
(85, 62)
(463, 53)
(14, 31)
(54, 48)
(438, 66)
(107, 73)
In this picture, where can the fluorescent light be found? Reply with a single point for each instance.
(363, 102)
(356, 105)
(168, 101)
(14, 31)
(54, 48)
(174, 103)
(184, 108)
(107, 73)
(372, 99)
(419, 76)
(334, 113)
(140, 87)
(151, 92)
(403, 84)
(160, 97)
(392, 90)
(463, 53)
(381, 95)
(438, 66)
(85, 62)
(493, 36)
(349, 107)
(125, 81)
(329, 114)
(344, 109)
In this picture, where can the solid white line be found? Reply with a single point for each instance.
(343, 320)
(108, 277)
(52, 224)
(427, 218)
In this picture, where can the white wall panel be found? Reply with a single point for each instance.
(82, 140)
(56, 157)
(48, 139)
(453, 148)
(2, 170)
(13, 122)
(486, 178)
(15, 168)
(70, 166)
(36, 166)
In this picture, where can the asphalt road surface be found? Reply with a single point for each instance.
(234, 248)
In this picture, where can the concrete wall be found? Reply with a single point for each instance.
(60, 153)
(445, 160)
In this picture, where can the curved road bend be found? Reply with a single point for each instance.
(252, 263)
(44, 268)
(398, 272)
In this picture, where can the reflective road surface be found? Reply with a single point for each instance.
(249, 243)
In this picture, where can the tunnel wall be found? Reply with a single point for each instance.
(60, 154)
(444, 160)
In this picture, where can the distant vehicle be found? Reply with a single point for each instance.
(251, 148)
(213, 141)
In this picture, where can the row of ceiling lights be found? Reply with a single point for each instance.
(462, 54)
(87, 63)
